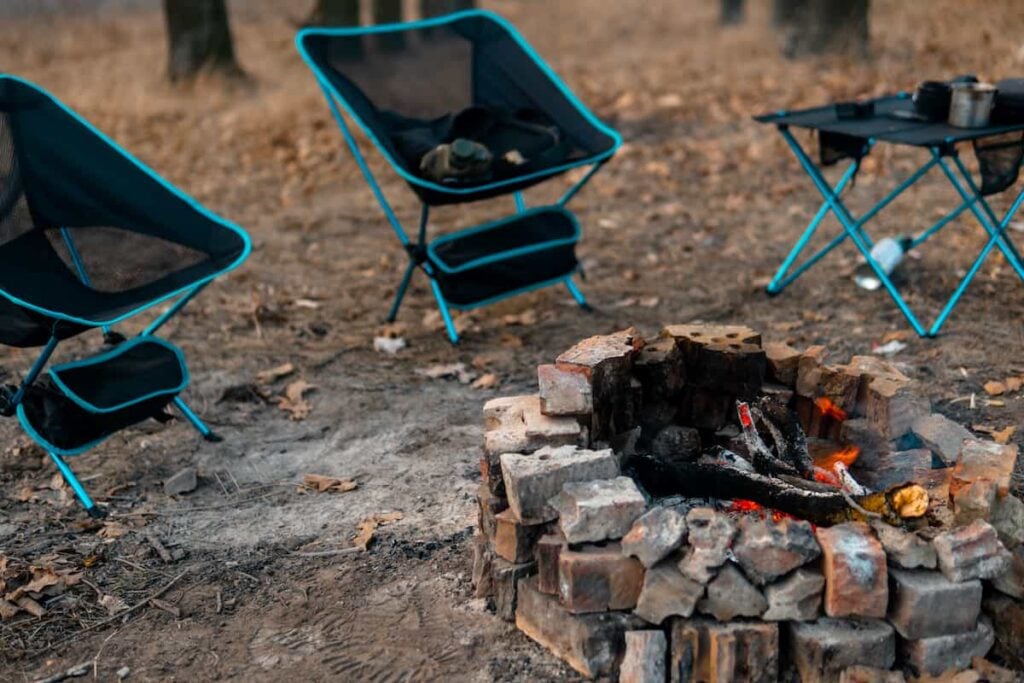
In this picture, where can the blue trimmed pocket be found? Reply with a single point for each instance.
(82, 403)
(516, 254)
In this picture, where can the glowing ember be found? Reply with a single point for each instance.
(827, 407)
(749, 506)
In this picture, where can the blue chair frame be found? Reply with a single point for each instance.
(179, 299)
(417, 250)
(943, 156)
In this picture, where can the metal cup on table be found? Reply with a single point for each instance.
(971, 104)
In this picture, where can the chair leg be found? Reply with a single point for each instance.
(578, 295)
(400, 294)
(453, 334)
(199, 425)
(76, 486)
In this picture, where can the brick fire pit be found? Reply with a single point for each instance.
(705, 507)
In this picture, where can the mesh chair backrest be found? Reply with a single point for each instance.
(81, 208)
(999, 161)
(426, 70)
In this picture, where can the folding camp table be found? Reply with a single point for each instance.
(854, 138)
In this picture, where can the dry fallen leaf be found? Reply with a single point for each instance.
(457, 371)
(993, 388)
(1013, 384)
(368, 526)
(274, 374)
(1003, 436)
(527, 317)
(112, 530)
(293, 403)
(165, 606)
(322, 483)
(488, 381)
(31, 606)
(7, 610)
(113, 604)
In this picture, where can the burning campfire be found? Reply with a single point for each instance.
(676, 510)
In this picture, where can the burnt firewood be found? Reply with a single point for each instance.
(787, 421)
(807, 500)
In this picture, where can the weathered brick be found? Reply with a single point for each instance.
(725, 358)
(505, 577)
(767, 549)
(984, 460)
(797, 597)
(731, 595)
(665, 593)
(706, 650)
(867, 674)
(533, 480)
(905, 549)
(514, 424)
(892, 406)
(892, 468)
(941, 436)
(924, 604)
(974, 500)
(548, 550)
(514, 541)
(971, 552)
(645, 659)
(710, 536)
(607, 362)
(1011, 581)
(840, 386)
(483, 559)
(592, 644)
(1007, 618)
(822, 649)
(1008, 520)
(660, 369)
(935, 655)
(488, 507)
(808, 374)
(706, 408)
(993, 673)
(598, 578)
(783, 361)
(564, 391)
(603, 509)
(654, 535)
(856, 578)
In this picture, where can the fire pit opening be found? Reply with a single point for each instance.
(706, 507)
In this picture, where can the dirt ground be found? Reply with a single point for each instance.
(687, 223)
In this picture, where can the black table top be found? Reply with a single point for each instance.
(884, 125)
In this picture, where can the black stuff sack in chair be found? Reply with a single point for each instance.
(90, 237)
(464, 109)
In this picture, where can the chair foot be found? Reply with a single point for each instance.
(194, 420)
(213, 437)
(76, 486)
(96, 512)
(771, 292)
(577, 295)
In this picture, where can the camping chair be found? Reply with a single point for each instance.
(414, 86)
(88, 238)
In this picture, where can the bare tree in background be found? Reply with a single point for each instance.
(730, 12)
(432, 8)
(199, 37)
(334, 13)
(812, 27)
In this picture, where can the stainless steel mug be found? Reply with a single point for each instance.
(971, 104)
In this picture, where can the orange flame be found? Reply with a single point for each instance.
(747, 506)
(830, 409)
(846, 455)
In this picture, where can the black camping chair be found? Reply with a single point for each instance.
(415, 89)
(88, 238)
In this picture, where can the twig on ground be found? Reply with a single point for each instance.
(73, 672)
(139, 566)
(326, 553)
(123, 614)
(96, 659)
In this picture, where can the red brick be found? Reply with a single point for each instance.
(592, 644)
(564, 390)
(924, 604)
(971, 552)
(706, 650)
(488, 508)
(645, 659)
(505, 579)
(823, 649)
(939, 654)
(783, 361)
(514, 541)
(548, 550)
(598, 578)
(856, 577)
(984, 460)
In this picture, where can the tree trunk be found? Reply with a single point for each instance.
(199, 37)
(433, 8)
(334, 13)
(731, 12)
(813, 27)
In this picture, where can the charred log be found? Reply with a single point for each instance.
(807, 500)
